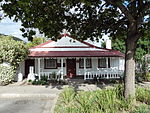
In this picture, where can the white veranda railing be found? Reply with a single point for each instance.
(103, 74)
(51, 75)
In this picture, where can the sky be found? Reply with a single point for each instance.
(8, 27)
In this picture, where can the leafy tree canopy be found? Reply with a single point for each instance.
(15, 38)
(12, 51)
(36, 41)
(82, 18)
(143, 46)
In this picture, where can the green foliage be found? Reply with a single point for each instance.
(12, 51)
(118, 44)
(42, 81)
(142, 109)
(6, 74)
(143, 73)
(53, 76)
(14, 38)
(36, 41)
(68, 95)
(143, 95)
(141, 49)
(90, 18)
(100, 101)
(147, 77)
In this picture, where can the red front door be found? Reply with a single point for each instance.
(71, 67)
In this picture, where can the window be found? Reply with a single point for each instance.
(88, 63)
(50, 64)
(102, 63)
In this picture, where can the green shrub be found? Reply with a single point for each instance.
(39, 82)
(42, 81)
(147, 76)
(12, 51)
(6, 74)
(142, 109)
(53, 76)
(143, 95)
(44, 78)
(100, 101)
(68, 95)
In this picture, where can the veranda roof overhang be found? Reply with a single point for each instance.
(75, 54)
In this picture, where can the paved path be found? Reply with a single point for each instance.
(24, 105)
(28, 99)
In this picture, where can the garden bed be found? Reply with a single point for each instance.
(102, 101)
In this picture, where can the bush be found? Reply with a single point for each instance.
(142, 109)
(147, 77)
(143, 95)
(100, 101)
(12, 51)
(6, 74)
(39, 82)
(43, 81)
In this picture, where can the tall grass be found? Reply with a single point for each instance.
(100, 101)
(142, 109)
(143, 95)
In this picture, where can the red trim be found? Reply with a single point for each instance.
(49, 41)
(65, 47)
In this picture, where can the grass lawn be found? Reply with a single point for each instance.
(102, 101)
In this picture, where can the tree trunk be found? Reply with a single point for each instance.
(131, 43)
(129, 71)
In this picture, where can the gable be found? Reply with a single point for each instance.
(65, 41)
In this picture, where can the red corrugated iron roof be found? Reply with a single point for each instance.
(75, 54)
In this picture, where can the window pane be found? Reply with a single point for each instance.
(102, 63)
(50, 63)
(81, 63)
(88, 63)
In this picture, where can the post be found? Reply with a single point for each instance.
(84, 68)
(62, 71)
(107, 66)
(118, 65)
(39, 73)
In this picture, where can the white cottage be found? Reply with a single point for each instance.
(69, 57)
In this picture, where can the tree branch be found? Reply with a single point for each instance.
(124, 10)
(119, 22)
(144, 6)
